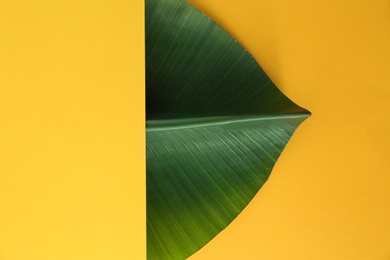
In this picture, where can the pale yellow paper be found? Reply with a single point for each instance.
(72, 163)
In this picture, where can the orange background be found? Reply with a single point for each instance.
(72, 130)
(328, 196)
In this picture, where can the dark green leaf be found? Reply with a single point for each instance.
(215, 126)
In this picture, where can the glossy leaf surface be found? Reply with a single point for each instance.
(216, 125)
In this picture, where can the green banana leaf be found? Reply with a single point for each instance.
(216, 125)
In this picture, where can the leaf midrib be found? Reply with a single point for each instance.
(183, 123)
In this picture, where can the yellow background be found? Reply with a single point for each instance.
(72, 163)
(72, 130)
